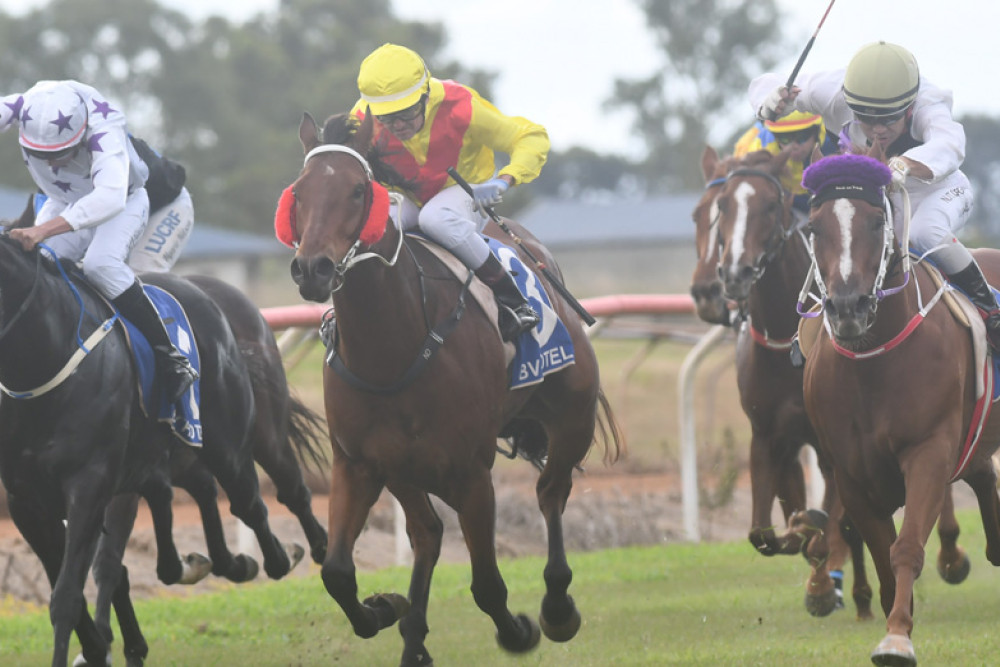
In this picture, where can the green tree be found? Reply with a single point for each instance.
(224, 99)
(711, 49)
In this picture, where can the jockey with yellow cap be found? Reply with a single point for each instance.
(425, 125)
(798, 133)
(881, 98)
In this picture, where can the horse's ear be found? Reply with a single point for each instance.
(308, 133)
(709, 158)
(779, 161)
(363, 135)
(876, 151)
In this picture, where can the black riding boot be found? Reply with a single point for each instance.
(516, 314)
(971, 281)
(172, 368)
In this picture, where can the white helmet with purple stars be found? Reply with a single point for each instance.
(53, 118)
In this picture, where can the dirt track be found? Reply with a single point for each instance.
(605, 510)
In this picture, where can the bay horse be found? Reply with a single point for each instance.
(81, 437)
(285, 431)
(710, 303)
(437, 434)
(891, 386)
(762, 263)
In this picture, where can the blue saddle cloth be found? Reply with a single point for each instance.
(546, 348)
(183, 417)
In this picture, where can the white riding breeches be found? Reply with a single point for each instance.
(102, 249)
(452, 220)
(938, 212)
(165, 236)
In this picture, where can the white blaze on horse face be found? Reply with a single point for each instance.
(744, 191)
(711, 256)
(844, 210)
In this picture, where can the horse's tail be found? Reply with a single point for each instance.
(609, 434)
(306, 433)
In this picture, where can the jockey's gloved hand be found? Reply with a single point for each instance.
(776, 104)
(490, 192)
(900, 170)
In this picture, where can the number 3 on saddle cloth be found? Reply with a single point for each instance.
(546, 348)
(186, 422)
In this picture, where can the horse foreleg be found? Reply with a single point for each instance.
(170, 567)
(425, 530)
(119, 519)
(353, 491)
(199, 483)
(953, 562)
(245, 503)
(477, 516)
(924, 475)
(275, 455)
(771, 468)
(85, 502)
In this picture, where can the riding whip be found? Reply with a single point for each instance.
(809, 45)
(556, 283)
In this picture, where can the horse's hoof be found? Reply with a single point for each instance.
(80, 661)
(387, 607)
(194, 568)
(562, 632)
(894, 651)
(955, 574)
(822, 604)
(295, 554)
(817, 518)
(526, 639)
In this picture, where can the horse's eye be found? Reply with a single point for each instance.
(359, 191)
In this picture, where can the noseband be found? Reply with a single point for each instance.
(352, 258)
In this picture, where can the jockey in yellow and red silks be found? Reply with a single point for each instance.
(425, 125)
(797, 132)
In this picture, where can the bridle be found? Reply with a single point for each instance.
(881, 201)
(352, 257)
(776, 241)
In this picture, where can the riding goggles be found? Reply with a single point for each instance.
(799, 137)
(881, 118)
(406, 115)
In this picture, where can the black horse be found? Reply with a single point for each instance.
(82, 436)
(285, 430)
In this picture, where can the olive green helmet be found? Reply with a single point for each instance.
(881, 79)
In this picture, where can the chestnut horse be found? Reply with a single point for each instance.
(434, 432)
(762, 263)
(710, 303)
(890, 386)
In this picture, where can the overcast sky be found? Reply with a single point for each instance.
(557, 59)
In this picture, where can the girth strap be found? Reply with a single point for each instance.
(435, 339)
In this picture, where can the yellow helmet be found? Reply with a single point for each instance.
(392, 78)
(881, 79)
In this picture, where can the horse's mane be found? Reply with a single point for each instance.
(341, 128)
(855, 170)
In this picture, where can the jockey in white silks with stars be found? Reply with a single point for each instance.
(75, 144)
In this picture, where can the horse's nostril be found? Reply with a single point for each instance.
(296, 271)
(324, 269)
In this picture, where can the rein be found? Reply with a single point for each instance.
(84, 347)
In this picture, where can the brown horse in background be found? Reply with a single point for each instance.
(710, 303)
(890, 386)
(437, 433)
(762, 264)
